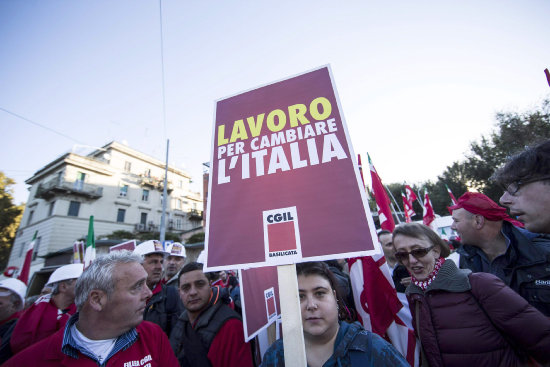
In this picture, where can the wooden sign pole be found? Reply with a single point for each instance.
(291, 315)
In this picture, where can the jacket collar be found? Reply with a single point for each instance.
(449, 278)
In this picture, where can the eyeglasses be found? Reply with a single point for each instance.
(515, 186)
(401, 256)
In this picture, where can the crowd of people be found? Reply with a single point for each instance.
(487, 304)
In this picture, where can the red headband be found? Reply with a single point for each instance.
(477, 203)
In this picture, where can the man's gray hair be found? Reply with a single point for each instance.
(99, 275)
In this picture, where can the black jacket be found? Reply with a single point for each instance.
(164, 308)
(528, 269)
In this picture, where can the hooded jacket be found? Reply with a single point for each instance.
(474, 319)
(353, 347)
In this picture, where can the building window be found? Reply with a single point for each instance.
(79, 183)
(180, 184)
(178, 204)
(23, 245)
(179, 222)
(145, 195)
(36, 248)
(143, 219)
(29, 219)
(74, 208)
(123, 190)
(127, 166)
(51, 208)
(120, 215)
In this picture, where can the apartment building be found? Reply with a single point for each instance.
(121, 187)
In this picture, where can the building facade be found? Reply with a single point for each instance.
(121, 187)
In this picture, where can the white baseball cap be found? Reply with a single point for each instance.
(71, 271)
(202, 257)
(176, 249)
(150, 247)
(16, 286)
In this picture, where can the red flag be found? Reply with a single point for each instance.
(411, 196)
(547, 75)
(25, 269)
(429, 215)
(378, 307)
(453, 199)
(407, 208)
(382, 200)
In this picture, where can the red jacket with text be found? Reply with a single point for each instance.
(151, 348)
(40, 320)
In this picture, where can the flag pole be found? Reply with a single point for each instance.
(395, 201)
(164, 194)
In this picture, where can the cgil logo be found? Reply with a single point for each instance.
(280, 217)
(542, 282)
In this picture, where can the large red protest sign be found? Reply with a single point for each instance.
(284, 187)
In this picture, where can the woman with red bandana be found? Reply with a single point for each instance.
(464, 318)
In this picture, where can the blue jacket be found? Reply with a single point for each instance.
(354, 347)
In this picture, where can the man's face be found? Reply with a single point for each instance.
(153, 266)
(125, 307)
(173, 265)
(464, 225)
(7, 307)
(387, 246)
(194, 291)
(67, 287)
(530, 205)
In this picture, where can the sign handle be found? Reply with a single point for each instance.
(291, 315)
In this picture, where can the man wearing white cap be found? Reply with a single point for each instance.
(12, 300)
(174, 263)
(50, 312)
(164, 306)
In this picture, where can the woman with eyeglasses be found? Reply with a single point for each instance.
(330, 341)
(464, 318)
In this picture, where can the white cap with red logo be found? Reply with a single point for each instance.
(176, 249)
(150, 247)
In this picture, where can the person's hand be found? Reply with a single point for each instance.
(406, 281)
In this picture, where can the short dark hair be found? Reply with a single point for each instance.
(382, 232)
(421, 231)
(192, 266)
(531, 163)
(321, 269)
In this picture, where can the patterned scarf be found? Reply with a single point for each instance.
(425, 283)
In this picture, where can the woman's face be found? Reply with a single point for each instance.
(419, 267)
(319, 307)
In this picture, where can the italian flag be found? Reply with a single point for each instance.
(25, 270)
(89, 254)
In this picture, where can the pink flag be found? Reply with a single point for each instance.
(382, 200)
(453, 199)
(25, 269)
(411, 196)
(407, 208)
(429, 215)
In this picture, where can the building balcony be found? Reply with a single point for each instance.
(155, 183)
(140, 227)
(194, 214)
(56, 187)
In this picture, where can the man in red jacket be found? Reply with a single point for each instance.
(108, 330)
(208, 332)
(50, 312)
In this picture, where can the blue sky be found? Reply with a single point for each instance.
(418, 81)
